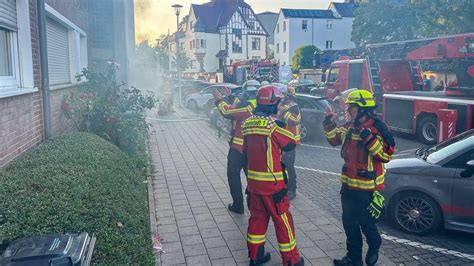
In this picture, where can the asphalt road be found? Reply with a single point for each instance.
(318, 165)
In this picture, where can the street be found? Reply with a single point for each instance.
(318, 166)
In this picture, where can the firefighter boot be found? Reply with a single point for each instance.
(372, 257)
(346, 261)
(235, 209)
(262, 257)
(291, 195)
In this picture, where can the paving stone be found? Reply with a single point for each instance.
(233, 235)
(191, 240)
(241, 255)
(170, 258)
(206, 224)
(198, 260)
(312, 252)
(224, 262)
(219, 253)
(210, 233)
(186, 222)
(214, 242)
(194, 250)
(328, 245)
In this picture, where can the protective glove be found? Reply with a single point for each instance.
(377, 205)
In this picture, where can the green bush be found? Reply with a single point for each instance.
(110, 110)
(303, 57)
(79, 182)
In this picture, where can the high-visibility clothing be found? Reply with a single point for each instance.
(264, 141)
(289, 112)
(363, 158)
(261, 209)
(237, 111)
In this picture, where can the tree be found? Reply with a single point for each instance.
(184, 61)
(384, 21)
(162, 50)
(303, 57)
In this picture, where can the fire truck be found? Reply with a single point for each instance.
(393, 73)
(241, 71)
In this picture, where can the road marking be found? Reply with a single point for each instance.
(428, 247)
(316, 170)
(321, 147)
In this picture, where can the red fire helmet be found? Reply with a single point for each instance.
(269, 95)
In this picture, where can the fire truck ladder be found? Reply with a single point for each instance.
(375, 80)
(417, 79)
(274, 74)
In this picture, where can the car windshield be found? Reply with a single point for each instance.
(436, 156)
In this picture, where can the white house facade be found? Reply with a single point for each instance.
(220, 32)
(327, 29)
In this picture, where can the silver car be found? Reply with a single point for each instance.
(198, 100)
(434, 189)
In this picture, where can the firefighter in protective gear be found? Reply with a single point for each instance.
(289, 112)
(237, 111)
(366, 145)
(264, 140)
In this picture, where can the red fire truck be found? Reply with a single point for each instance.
(393, 72)
(241, 71)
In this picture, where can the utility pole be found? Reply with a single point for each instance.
(177, 9)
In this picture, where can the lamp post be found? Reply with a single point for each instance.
(177, 10)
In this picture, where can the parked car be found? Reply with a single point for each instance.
(312, 114)
(198, 100)
(436, 188)
(305, 86)
(318, 90)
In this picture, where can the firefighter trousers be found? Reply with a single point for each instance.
(355, 217)
(288, 159)
(261, 209)
(235, 164)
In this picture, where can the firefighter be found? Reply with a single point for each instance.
(264, 140)
(289, 112)
(366, 145)
(236, 110)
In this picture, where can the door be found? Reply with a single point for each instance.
(463, 188)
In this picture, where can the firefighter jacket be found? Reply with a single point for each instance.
(289, 112)
(264, 140)
(364, 158)
(237, 112)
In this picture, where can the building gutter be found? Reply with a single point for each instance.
(47, 127)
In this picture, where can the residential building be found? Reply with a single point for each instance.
(327, 29)
(269, 20)
(68, 39)
(219, 32)
(112, 35)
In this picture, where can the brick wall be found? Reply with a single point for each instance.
(21, 119)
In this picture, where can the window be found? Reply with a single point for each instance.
(328, 44)
(198, 44)
(252, 25)
(284, 25)
(333, 74)
(255, 43)
(191, 25)
(284, 47)
(329, 24)
(203, 44)
(6, 52)
(304, 24)
(278, 48)
(278, 28)
(66, 47)
(190, 45)
(194, 44)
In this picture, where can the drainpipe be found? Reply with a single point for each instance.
(44, 70)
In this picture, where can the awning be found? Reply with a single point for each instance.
(222, 54)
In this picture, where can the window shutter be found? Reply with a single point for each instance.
(58, 53)
(8, 14)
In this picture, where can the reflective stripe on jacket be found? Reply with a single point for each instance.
(363, 159)
(263, 144)
(238, 111)
(289, 112)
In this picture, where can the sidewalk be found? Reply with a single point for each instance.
(190, 197)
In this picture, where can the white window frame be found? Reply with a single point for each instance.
(278, 48)
(284, 47)
(284, 26)
(278, 27)
(22, 80)
(77, 46)
(329, 24)
(304, 23)
(329, 44)
(258, 41)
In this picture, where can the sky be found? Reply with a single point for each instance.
(155, 17)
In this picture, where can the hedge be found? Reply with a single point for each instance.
(79, 182)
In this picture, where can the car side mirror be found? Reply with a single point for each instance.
(469, 171)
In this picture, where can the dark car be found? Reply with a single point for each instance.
(312, 114)
(305, 86)
(436, 188)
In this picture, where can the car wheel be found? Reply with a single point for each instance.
(192, 104)
(415, 213)
(427, 130)
(304, 133)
